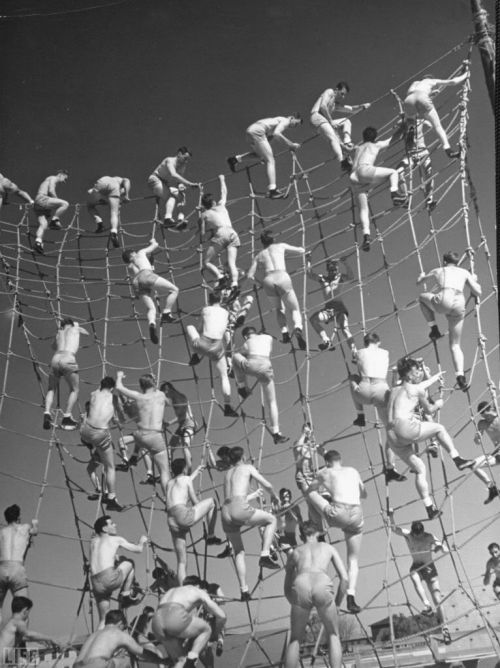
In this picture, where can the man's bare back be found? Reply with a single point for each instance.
(313, 558)
(403, 400)
(48, 187)
(104, 643)
(237, 480)
(272, 258)
(344, 484)
(150, 408)
(179, 491)
(101, 410)
(14, 540)
(215, 218)
(68, 339)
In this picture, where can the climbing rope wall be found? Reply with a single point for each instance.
(81, 277)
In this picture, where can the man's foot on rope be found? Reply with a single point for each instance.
(274, 193)
(432, 512)
(462, 383)
(112, 504)
(229, 411)
(181, 224)
(433, 450)
(352, 606)
(167, 317)
(462, 463)
(214, 540)
(430, 204)
(126, 600)
(245, 596)
(168, 223)
(285, 337)
(267, 562)
(190, 663)
(244, 392)
(279, 438)
(47, 421)
(133, 460)
(326, 345)
(365, 246)
(38, 246)
(427, 611)
(435, 334)
(148, 480)
(226, 552)
(68, 424)
(492, 494)
(99, 227)
(273, 554)
(392, 474)
(346, 164)
(113, 237)
(94, 496)
(232, 162)
(398, 198)
(300, 338)
(219, 647)
(452, 154)
(446, 635)
(360, 420)
(240, 320)
(152, 333)
(123, 467)
(194, 359)
(55, 224)
(233, 293)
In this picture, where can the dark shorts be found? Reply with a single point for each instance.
(150, 440)
(344, 516)
(180, 519)
(426, 571)
(333, 308)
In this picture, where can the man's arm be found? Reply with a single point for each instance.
(51, 186)
(192, 494)
(253, 269)
(153, 245)
(34, 528)
(488, 573)
(423, 276)
(289, 572)
(223, 190)
(132, 547)
(338, 564)
(83, 331)
(362, 489)
(352, 108)
(278, 132)
(24, 195)
(295, 250)
(173, 171)
(324, 105)
(262, 481)
(120, 387)
(474, 285)
(125, 184)
(395, 528)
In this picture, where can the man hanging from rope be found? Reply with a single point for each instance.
(49, 207)
(108, 574)
(63, 365)
(185, 422)
(146, 284)
(184, 510)
(151, 404)
(418, 103)
(216, 227)
(210, 343)
(489, 424)
(343, 511)
(278, 285)
(168, 184)
(7, 187)
(449, 301)
(334, 309)
(493, 568)
(308, 585)
(254, 359)
(95, 434)
(112, 191)
(237, 513)
(422, 545)
(365, 175)
(259, 136)
(404, 428)
(15, 540)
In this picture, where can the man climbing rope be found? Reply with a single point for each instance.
(449, 301)
(489, 424)
(14, 632)
(112, 191)
(185, 422)
(49, 207)
(303, 450)
(417, 156)
(8, 187)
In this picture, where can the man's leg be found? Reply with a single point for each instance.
(199, 632)
(164, 287)
(49, 397)
(277, 306)
(364, 212)
(232, 254)
(181, 556)
(150, 309)
(435, 591)
(329, 618)
(419, 588)
(353, 545)
(292, 306)
(428, 429)
(425, 301)
(114, 212)
(326, 131)
(221, 366)
(455, 338)
(42, 226)
(433, 117)
(208, 264)
(107, 459)
(269, 390)
(239, 558)
(298, 622)
(261, 518)
(206, 508)
(73, 381)
(92, 467)
(60, 207)
(265, 153)
(103, 606)
(161, 461)
(92, 210)
(417, 466)
(316, 321)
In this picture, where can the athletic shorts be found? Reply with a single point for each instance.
(12, 577)
(426, 571)
(107, 187)
(167, 189)
(186, 427)
(211, 348)
(63, 364)
(449, 302)
(95, 198)
(333, 308)
(226, 237)
(317, 120)
(344, 516)
(180, 519)
(277, 283)
(235, 513)
(45, 204)
(312, 590)
(365, 174)
(151, 440)
(404, 431)
(417, 104)
(256, 133)
(373, 392)
(7, 186)
(144, 282)
(255, 366)
(106, 582)
(95, 438)
(304, 478)
(95, 662)
(171, 619)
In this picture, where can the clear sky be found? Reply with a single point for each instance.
(113, 91)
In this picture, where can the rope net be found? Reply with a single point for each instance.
(82, 277)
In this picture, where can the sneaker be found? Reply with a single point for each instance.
(300, 339)
(94, 496)
(113, 237)
(446, 636)
(99, 228)
(226, 552)
(47, 421)
(234, 292)
(273, 554)
(279, 438)
(360, 421)
(392, 474)
(244, 392)
(152, 333)
(123, 467)
(214, 540)
(432, 512)
(492, 494)
(285, 337)
(398, 199)
(240, 320)
(38, 246)
(267, 562)
(430, 204)
(245, 596)
(181, 225)
(194, 359)
(219, 647)
(167, 318)
(365, 246)
(462, 463)
(232, 162)
(133, 460)
(229, 411)
(428, 612)
(462, 383)
(68, 424)
(112, 504)
(125, 601)
(190, 663)
(55, 224)
(346, 165)
(435, 334)
(352, 606)
(452, 154)
(324, 345)
(274, 193)
(148, 480)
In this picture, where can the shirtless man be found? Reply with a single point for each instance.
(259, 136)
(404, 428)
(303, 450)
(98, 649)
(417, 155)
(63, 365)
(216, 227)
(168, 184)
(131, 415)
(344, 512)
(337, 132)
(94, 433)
(15, 631)
(450, 301)
(278, 285)
(422, 545)
(254, 359)
(151, 405)
(334, 309)
(184, 510)
(112, 191)
(308, 585)
(493, 568)
(15, 539)
(365, 175)
(7, 187)
(48, 207)
(147, 284)
(418, 103)
(106, 576)
(238, 513)
(489, 424)
(289, 518)
(210, 343)
(184, 433)
(176, 620)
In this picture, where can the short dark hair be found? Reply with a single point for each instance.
(266, 238)
(178, 465)
(483, 406)
(115, 617)
(214, 297)
(344, 85)
(192, 580)
(332, 456)
(492, 545)
(127, 254)
(297, 116)
(371, 337)
(248, 330)
(107, 383)
(285, 490)
(63, 171)
(67, 321)
(236, 454)
(184, 149)
(208, 200)
(12, 513)
(223, 451)
(309, 528)
(146, 381)
(370, 133)
(417, 527)
(148, 609)
(100, 523)
(451, 257)
(405, 365)
(20, 603)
